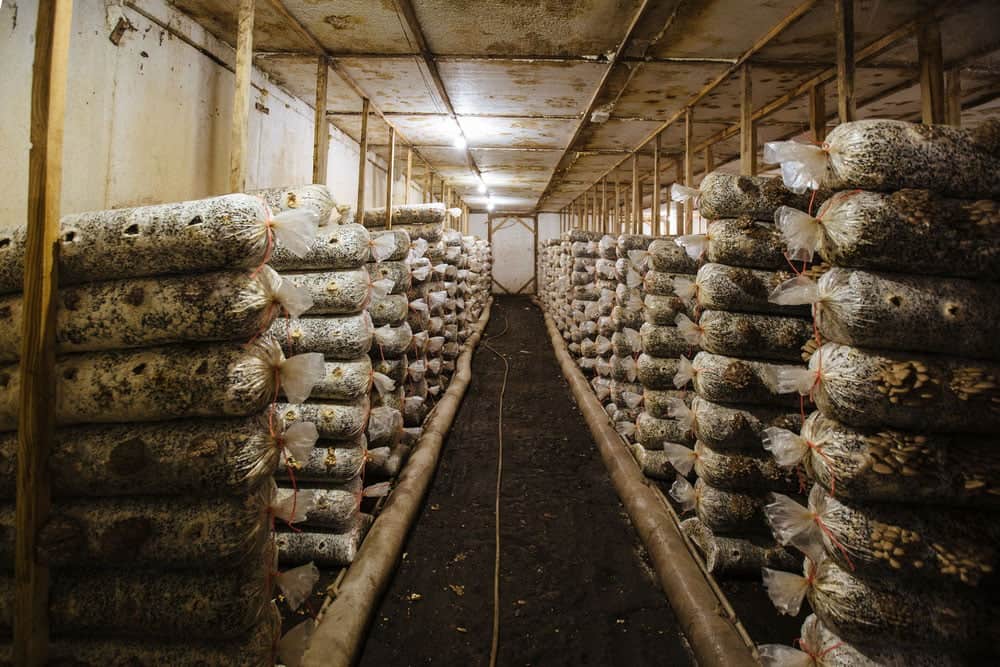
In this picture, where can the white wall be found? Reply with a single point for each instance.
(148, 121)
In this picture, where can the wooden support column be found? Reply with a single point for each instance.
(817, 112)
(430, 188)
(604, 206)
(689, 168)
(709, 160)
(36, 403)
(636, 196)
(409, 174)
(932, 104)
(594, 210)
(362, 162)
(321, 131)
(657, 186)
(390, 176)
(619, 205)
(847, 109)
(240, 137)
(953, 97)
(748, 142)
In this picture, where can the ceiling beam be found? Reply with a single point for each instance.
(405, 7)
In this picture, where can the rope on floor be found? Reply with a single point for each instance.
(495, 643)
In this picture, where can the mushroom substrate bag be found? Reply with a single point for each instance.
(432, 214)
(313, 196)
(736, 427)
(731, 196)
(722, 379)
(752, 335)
(727, 556)
(333, 421)
(723, 512)
(335, 247)
(343, 292)
(747, 243)
(668, 257)
(325, 549)
(343, 337)
(721, 287)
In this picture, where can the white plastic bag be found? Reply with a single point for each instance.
(682, 193)
(298, 441)
(695, 245)
(786, 589)
(299, 374)
(678, 409)
(802, 165)
(680, 457)
(297, 584)
(380, 288)
(685, 372)
(795, 525)
(383, 383)
(686, 289)
(382, 247)
(787, 448)
(295, 229)
(691, 332)
(803, 234)
(684, 494)
(293, 505)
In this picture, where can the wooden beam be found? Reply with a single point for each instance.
(932, 102)
(36, 402)
(409, 174)
(605, 227)
(953, 97)
(240, 133)
(689, 168)
(636, 196)
(657, 186)
(618, 217)
(748, 142)
(390, 176)
(847, 109)
(362, 162)
(321, 131)
(817, 113)
(709, 160)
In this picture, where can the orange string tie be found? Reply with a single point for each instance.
(840, 547)
(829, 462)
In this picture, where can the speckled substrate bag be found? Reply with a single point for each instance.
(750, 470)
(747, 243)
(721, 287)
(390, 342)
(663, 310)
(668, 257)
(880, 614)
(656, 373)
(344, 380)
(336, 247)
(723, 379)
(864, 388)
(312, 195)
(407, 214)
(397, 272)
(390, 245)
(664, 341)
(334, 506)
(652, 433)
(659, 402)
(334, 421)
(731, 196)
(342, 292)
(753, 335)
(735, 427)
(816, 645)
(152, 604)
(909, 231)
(902, 312)
(329, 461)
(723, 512)
(227, 232)
(738, 556)
(323, 549)
(653, 463)
(345, 337)
(390, 309)
(143, 312)
(203, 457)
(887, 155)
(212, 380)
(885, 465)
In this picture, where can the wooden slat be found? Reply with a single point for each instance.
(36, 418)
(362, 161)
(847, 109)
(657, 186)
(932, 104)
(953, 97)
(409, 174)
(240, 139)
(689, 168)
(748, 143)
(709, 160)
(817, 112)
(605, 226)
(321, 132)
(390, 176)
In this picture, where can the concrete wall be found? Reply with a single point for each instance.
(148, 120)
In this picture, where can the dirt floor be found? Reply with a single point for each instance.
(575, 586)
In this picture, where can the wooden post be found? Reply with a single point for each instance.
(817, 112)
(321, 132)
(709, 160)
(847, 108)
(748, 142)
(390, 175)
(239, 140)
(36, 403)
(932, 106)
(689, 168)
(657, 185)
(409, 174)
(636, 196)
(604, 206)
(953, 97)
(430, 188)
(594, 211)
(362, 162)
(425, 187)
(619, 204)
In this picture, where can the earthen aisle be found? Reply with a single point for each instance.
(574, 587)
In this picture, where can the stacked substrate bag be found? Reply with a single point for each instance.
(339, 326)
(160, 533)
(599, 348)
(549, 276)
(744, 340)
(901, 532)
(584, 295)
(649, 345)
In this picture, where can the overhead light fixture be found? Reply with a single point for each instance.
(460, 142)
(482, 188)
(455, 212)
(490, 205)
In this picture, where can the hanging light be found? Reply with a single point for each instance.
(481, 188)
(459, 142)
(490, 205)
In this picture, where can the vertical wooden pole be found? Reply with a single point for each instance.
(618, 218)
(605, 227)
(321, 132)
(636, 197)
(390, 176)
(689, 168)
(932, 106)
(817, 112)
(362, 162)
(594, 210)
(847, 108)
(36, 418)
(239, 140)
(409, 174)
(748, 142)
(709, 160)
(657, 185)
(953, 97)
(430, 187)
